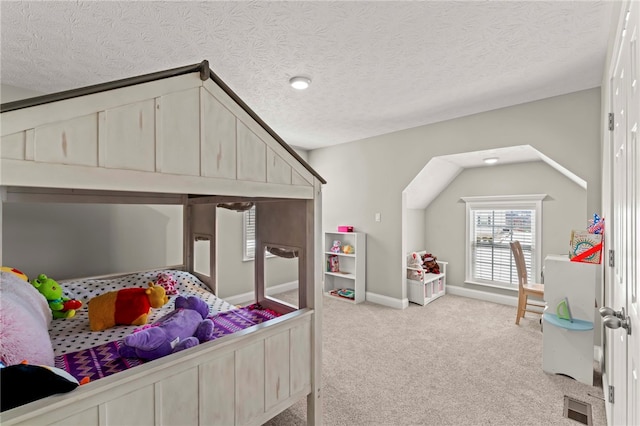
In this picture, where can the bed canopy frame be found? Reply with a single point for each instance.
(181, 137)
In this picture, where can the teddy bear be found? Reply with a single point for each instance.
(61, 307)
(430, 264)
(414, 261)
(182, 328)
(129, 306)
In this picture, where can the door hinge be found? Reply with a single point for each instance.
(611, 121)
(612, 258)
(611, 394)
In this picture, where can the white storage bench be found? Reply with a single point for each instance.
(429, 288)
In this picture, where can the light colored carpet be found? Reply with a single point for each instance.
(456, 361)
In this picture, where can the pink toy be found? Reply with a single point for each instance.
(168, 282)
(414, 261)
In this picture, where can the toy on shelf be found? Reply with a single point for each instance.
(347, 249)
(430, 264)
(335, 248)
(563, 311)
(129, 306)
(414, 261)
(586, 245)
(347, 293)
(15, 271)
(61, 307)
(333, 264)
(183, 328)
(596, 225)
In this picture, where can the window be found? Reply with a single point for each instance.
(492, 223)
(249, 233)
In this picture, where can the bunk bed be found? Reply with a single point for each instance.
(180, 137)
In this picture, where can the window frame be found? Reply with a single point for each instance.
(504, 202)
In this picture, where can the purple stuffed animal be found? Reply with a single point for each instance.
(183, 328)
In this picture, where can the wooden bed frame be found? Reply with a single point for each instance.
(179, 137)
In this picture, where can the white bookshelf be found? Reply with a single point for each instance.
(352, 266)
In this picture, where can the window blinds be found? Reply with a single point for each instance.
(492, 231)
(250, 233)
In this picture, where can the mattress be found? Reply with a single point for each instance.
(73, 334)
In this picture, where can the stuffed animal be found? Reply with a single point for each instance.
(168, 282)
(185, 327)
(23, 383)
(129, 306)
(336, 247)
(61, 307)
(430, 264)
(15, 271)
(347, 249)
(414, 261)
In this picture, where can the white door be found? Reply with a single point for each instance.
(622, 345)
(633, 205)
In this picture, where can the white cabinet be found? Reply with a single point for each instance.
(345, 271)
(429, 288)
(567, 346)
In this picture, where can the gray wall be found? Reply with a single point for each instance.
(562, 210)
(67, 241)
(368, 176)
(416, 230)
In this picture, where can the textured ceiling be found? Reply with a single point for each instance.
(376, 67)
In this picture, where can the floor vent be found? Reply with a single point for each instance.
(578, 411)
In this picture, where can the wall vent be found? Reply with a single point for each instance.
(578, 411)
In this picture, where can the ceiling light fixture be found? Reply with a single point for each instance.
(300, 83)
(491, 160)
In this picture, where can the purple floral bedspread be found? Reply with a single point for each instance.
(104, 360)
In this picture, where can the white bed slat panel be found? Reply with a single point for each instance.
(13, 146)
(276, 354)
(250, 371)
(278, 171)
(298, 179)
(180, 132)
(68, 142)
(132, 400)
(30, 173)
(244, 117)
(129, 137)
(300, 357)
(251, 155)
(218, 153)
(39, 115)
(135, 408)
(217, 401)
(179, 399)
(82, 418)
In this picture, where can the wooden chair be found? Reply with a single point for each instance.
(524, 288)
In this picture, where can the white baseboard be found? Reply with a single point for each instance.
(391, 302)
(248, 297)
(598, 356)
(455, 290)
(482, 295)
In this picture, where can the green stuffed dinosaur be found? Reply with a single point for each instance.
(61, 307)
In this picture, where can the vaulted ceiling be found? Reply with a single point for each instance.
(375, 66)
